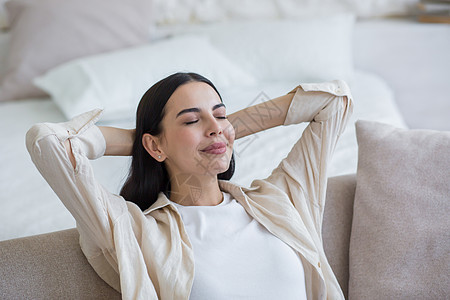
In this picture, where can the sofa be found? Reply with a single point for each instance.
(385, 228)
(52, 266)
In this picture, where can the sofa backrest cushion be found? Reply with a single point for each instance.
(49, 266)
(337, 224)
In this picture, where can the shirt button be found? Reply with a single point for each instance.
(318, 264)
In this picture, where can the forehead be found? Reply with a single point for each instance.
(192, 94)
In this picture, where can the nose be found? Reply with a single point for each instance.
(214, 127)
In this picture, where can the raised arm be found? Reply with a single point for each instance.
(119, 142)
(260, 117)
(327, 108)
(72, 178)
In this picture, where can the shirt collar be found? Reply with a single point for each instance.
(159, 203)
(235, 190)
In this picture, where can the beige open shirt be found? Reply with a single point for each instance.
(150, 250)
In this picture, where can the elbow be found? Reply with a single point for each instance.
(348, 104)
(343, 94)
(35, 135)
(343, 90)
(32, 137)
(43, 144)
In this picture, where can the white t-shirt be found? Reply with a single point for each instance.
(238, 258)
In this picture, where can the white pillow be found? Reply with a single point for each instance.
(304, 50)
(117, 80)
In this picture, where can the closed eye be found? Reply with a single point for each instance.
(195, 121)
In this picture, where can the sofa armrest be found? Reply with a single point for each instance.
(337, 225)
(49, 266)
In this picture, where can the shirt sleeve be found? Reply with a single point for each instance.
(94, 208)
(303, 173)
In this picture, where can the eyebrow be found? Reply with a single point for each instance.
(195, 109)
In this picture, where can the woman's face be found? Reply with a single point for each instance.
(196, 136)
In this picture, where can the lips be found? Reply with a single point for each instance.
(216, 148)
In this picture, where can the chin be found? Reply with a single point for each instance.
(214, 166)
(219, 169)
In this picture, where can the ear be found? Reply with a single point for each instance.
(152, 145)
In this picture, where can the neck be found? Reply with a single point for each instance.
(195, 190)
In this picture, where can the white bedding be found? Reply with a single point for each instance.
(29, 206)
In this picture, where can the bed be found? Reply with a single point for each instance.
(244, 74)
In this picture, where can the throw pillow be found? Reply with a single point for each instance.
(47, 33)
(400, 240)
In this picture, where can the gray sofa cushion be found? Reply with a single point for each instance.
(400, 239)
(49, 266)
(337, 224)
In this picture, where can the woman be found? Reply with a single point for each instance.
(185, 230)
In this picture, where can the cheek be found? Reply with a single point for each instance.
(184, 139)
(230, 133)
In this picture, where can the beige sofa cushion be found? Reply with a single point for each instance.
(400, 239)
(49, 266)
(337, 225)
